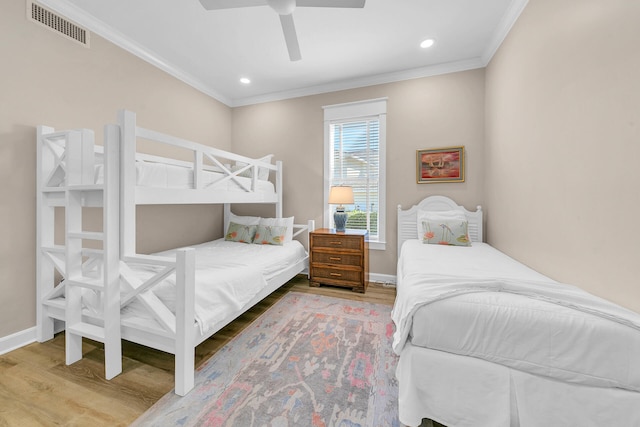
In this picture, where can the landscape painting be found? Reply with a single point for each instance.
(440, 165)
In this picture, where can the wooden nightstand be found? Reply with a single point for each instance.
(339, 259)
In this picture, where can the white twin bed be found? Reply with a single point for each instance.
(173, 300)
(486, 341)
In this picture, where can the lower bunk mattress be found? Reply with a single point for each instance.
(477, 302)
(228, 275)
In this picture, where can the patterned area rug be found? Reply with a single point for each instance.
(308, 361)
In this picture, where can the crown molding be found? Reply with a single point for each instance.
(415, 73)
(506, 23)
(98, 27)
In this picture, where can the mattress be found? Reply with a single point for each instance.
(150, 174)
(164, 175)
(228, 275)
(514, 330)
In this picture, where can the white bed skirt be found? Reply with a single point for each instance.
(460, 391)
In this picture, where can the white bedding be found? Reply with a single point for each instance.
(228, 275)
(478, 302)
(150, 174)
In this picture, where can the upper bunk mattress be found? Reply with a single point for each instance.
(161, 175)
(512, 326)
(228, 275)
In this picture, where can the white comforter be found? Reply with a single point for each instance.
(228, 275)
(459, 271)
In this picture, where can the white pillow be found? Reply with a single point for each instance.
(242, 220)
(280, 222)
(430, 216)
(263, 173)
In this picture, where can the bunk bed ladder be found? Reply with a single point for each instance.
(104, 280)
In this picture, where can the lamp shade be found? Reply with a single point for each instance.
(341, 195)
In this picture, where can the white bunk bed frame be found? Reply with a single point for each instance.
(103, 270)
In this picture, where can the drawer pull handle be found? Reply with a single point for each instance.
(336, 242)
(334, 258)
(335, 274)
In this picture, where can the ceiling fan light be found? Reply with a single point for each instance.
(245, 81)
(427, 43)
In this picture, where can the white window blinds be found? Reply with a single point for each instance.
(355, 161)
(354, 154)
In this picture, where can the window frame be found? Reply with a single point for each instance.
(353, 112)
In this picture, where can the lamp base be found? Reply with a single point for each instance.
(340, 220)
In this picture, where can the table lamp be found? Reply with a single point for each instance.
(340, 195)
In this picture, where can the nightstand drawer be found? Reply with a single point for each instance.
(336, 258)
(340, 242)
(337, 274)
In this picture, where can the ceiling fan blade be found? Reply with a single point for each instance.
(230, 4)
(290, 37)
(329, 3)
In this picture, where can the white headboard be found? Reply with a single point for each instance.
(407, 223)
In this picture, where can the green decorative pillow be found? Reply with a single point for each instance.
(280, 222)
(452, 232)
(240, 233)
(270, 235)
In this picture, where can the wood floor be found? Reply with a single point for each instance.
(38, 389)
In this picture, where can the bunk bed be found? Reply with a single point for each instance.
(97, 283)
(484, 340)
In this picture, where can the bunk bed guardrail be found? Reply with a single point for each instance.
(211, 169)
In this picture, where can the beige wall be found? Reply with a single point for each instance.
(45, 79)
(430, 112)
(563, 144)
(554, 162)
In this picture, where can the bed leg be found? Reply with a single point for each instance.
(45, 227)
(185, 319)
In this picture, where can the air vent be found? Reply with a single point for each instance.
(57, 23)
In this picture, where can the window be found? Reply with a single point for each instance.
(355, 137)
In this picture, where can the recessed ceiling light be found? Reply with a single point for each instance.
(427, 43)
(245, 81)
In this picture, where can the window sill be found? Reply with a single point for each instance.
(377, 246)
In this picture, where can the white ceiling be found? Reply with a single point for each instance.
(341, 48)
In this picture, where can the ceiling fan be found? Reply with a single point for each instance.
(284, 8)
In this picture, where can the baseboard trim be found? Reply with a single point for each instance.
(385, 279)
(17, 340)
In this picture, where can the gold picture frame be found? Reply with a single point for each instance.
(434, 165)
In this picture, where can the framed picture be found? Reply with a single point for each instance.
(440, 165)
